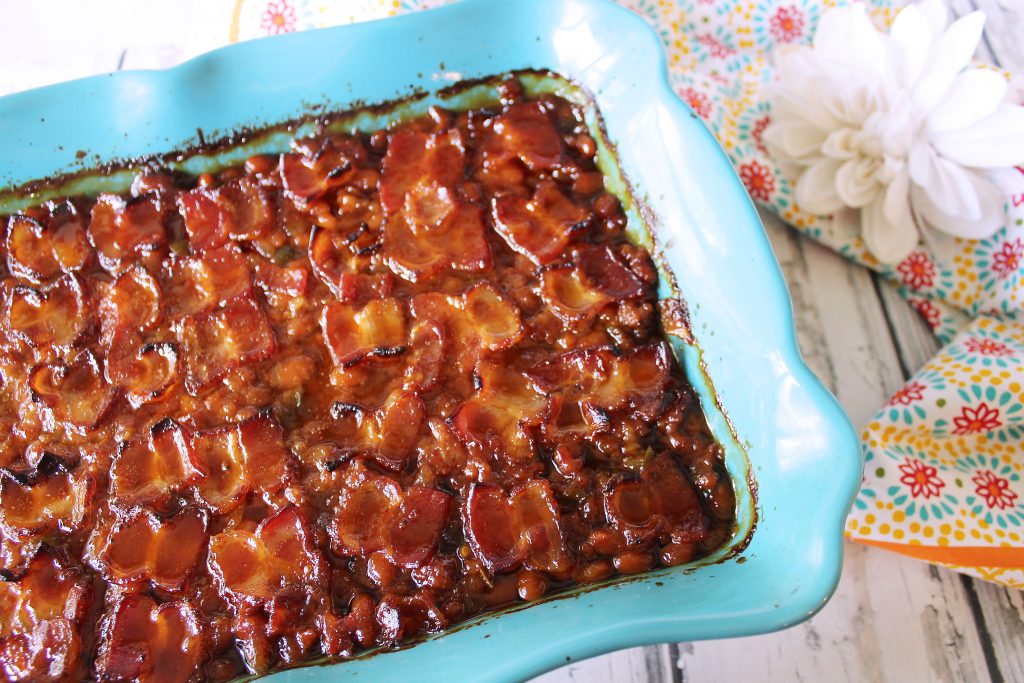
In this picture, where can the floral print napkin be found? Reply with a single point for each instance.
(944, 480)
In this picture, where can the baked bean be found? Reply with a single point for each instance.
(633, 562)
(530, 585)
(587, 183)
(594, 571)
(585, 145)
(675, 554)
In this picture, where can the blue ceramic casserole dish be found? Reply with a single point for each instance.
(791, 451)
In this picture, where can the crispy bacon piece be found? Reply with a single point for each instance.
(52, 497)
(541, 227)
(75, 393)
(570, 297)
(415, 158)
(480, 319)
(428, 344)
(378, 515)
(145, 470)
(527, 131)
(306, 177)
(239, 458)
(52, 315)
(394, 429)
(145, 373)
(249, 207)
(499, 418)
(596, 277)
(266, 455)
(215, 343)
(607, 380)
(40, 620)
(386, 435)
(141, 640)
(219, 456)
(144, 547)
(353, 334)
(403, 616)
(120, 230)
(132, 302)
(329, 264)
(604, 270)
(38, 252)
(417, 250)
(660, 500)
(506, 530)
(292, 280)
(568, 420)
(199, 283)
(238, 210)
(280, 556)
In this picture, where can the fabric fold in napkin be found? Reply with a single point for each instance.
(944, 480)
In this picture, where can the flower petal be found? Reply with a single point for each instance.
(979, 226)
(889, 241)
(847, 37)
(997, 140)
(856, 182)
(949, 55)
(937, 14)
(910, 40)
(946, 183)
(793, 139)
(973, 95)
(816, 189)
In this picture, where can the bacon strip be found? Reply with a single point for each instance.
(539, 228)
(199, 283)
(379, 516)
(76, 394)
(53, 497)
(258, 566)
(499, 418)
(377, 329)
(53, 315)
(413, 159)
(121, 230)
(144, 547)
(38, 252)
(215, 343)
(660, 500)
(520, 527)
(147, 469)
(607, 380)
(40, 621)
(596, 278)
(480, 319)
(141, 640)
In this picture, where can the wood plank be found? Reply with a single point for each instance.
(892, 617)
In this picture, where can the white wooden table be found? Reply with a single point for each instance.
(892, 619)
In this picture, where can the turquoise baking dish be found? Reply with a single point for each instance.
(793, 454)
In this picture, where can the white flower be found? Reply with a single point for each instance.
(896, 126)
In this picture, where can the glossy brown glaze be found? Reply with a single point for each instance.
(335, 399)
